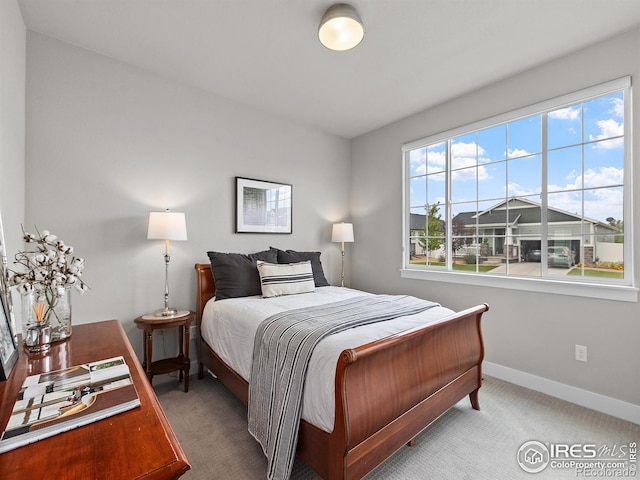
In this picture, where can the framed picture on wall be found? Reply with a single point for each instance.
(262, 206)
(8, 345)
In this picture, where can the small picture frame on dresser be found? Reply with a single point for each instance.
(8, 345)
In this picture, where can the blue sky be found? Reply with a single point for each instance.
(506, 160)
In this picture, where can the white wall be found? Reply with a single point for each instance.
(108, 142)
(530, 332)
(12, 122)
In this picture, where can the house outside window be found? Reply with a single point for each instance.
(542, 193)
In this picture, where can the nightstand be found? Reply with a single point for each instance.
(149, 323)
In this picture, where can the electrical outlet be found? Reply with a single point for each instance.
(581, 353)
(193, 331)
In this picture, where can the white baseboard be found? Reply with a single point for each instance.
(585, 398)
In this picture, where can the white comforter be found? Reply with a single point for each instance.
(229, 327)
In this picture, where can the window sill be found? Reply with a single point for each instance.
(590, 290)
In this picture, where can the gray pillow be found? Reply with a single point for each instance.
(236, 274)
(292, 256)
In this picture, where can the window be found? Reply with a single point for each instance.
(540, 194)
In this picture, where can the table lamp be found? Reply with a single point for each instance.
(342, 232)
(167, 226)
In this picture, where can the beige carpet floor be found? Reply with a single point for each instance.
(463, 444)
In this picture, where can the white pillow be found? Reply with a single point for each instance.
(285, 278)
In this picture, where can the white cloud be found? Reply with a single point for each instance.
(609, 128)
(603, 177)
(417, 156)
(618, 107)
(517, 152)
(466, 149)
(606, 176)
(437, 160)
(569, 113)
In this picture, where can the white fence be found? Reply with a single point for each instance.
(609, 252)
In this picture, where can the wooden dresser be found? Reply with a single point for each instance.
(137, 444)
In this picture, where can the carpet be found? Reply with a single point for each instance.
(211, 426)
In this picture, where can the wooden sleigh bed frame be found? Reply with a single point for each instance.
(387, 391)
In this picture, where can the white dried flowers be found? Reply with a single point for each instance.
(47, 268)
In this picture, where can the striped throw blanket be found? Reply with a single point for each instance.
(282, 350)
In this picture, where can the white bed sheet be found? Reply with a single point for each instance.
(229, 327)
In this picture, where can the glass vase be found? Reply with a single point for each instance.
(46, 317)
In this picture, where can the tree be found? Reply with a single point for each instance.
(434, 239)
(618, 225)
(461, 235)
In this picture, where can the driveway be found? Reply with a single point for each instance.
(526, 269)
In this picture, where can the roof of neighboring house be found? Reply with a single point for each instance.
(489, 218)
(521, 211)
(417, 221)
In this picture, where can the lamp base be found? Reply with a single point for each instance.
(158, 315)
(166, 312)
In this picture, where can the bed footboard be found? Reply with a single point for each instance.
(388, 391)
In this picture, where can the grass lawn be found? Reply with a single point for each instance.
(591, 272)
(460, 268)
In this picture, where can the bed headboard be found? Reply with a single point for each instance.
(206, 287)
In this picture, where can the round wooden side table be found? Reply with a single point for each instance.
(150, 322)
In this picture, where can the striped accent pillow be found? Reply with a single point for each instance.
(285, 278)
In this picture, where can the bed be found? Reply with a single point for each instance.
(386, 391)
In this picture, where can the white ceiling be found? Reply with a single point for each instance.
(265, 53)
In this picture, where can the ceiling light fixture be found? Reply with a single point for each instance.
(341, 28)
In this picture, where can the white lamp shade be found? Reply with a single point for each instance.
(167, 226)
(340, 28)
(342, 232)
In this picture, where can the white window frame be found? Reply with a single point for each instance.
(619, 291)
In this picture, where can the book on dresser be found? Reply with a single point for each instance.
(55, 402)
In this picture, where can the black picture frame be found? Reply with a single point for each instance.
(8, 338)
(263, 206)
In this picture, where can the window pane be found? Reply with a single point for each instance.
(564, 207)
(418, 192)
(417, 162)
(604, 117)
(417, 228)
(437, 157)
(487, 205)
(564, 169)
(604, 204)
(463, 227)
(524, 137)
(560, 257)
(604, 164)
(463, 185)
(436, 188)
(492, 144)
(525, 218)
(435, 220)
(608, 256)
(564, 127)
(427, 234)
(492, 180)
(524, 176)
(464, 151)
